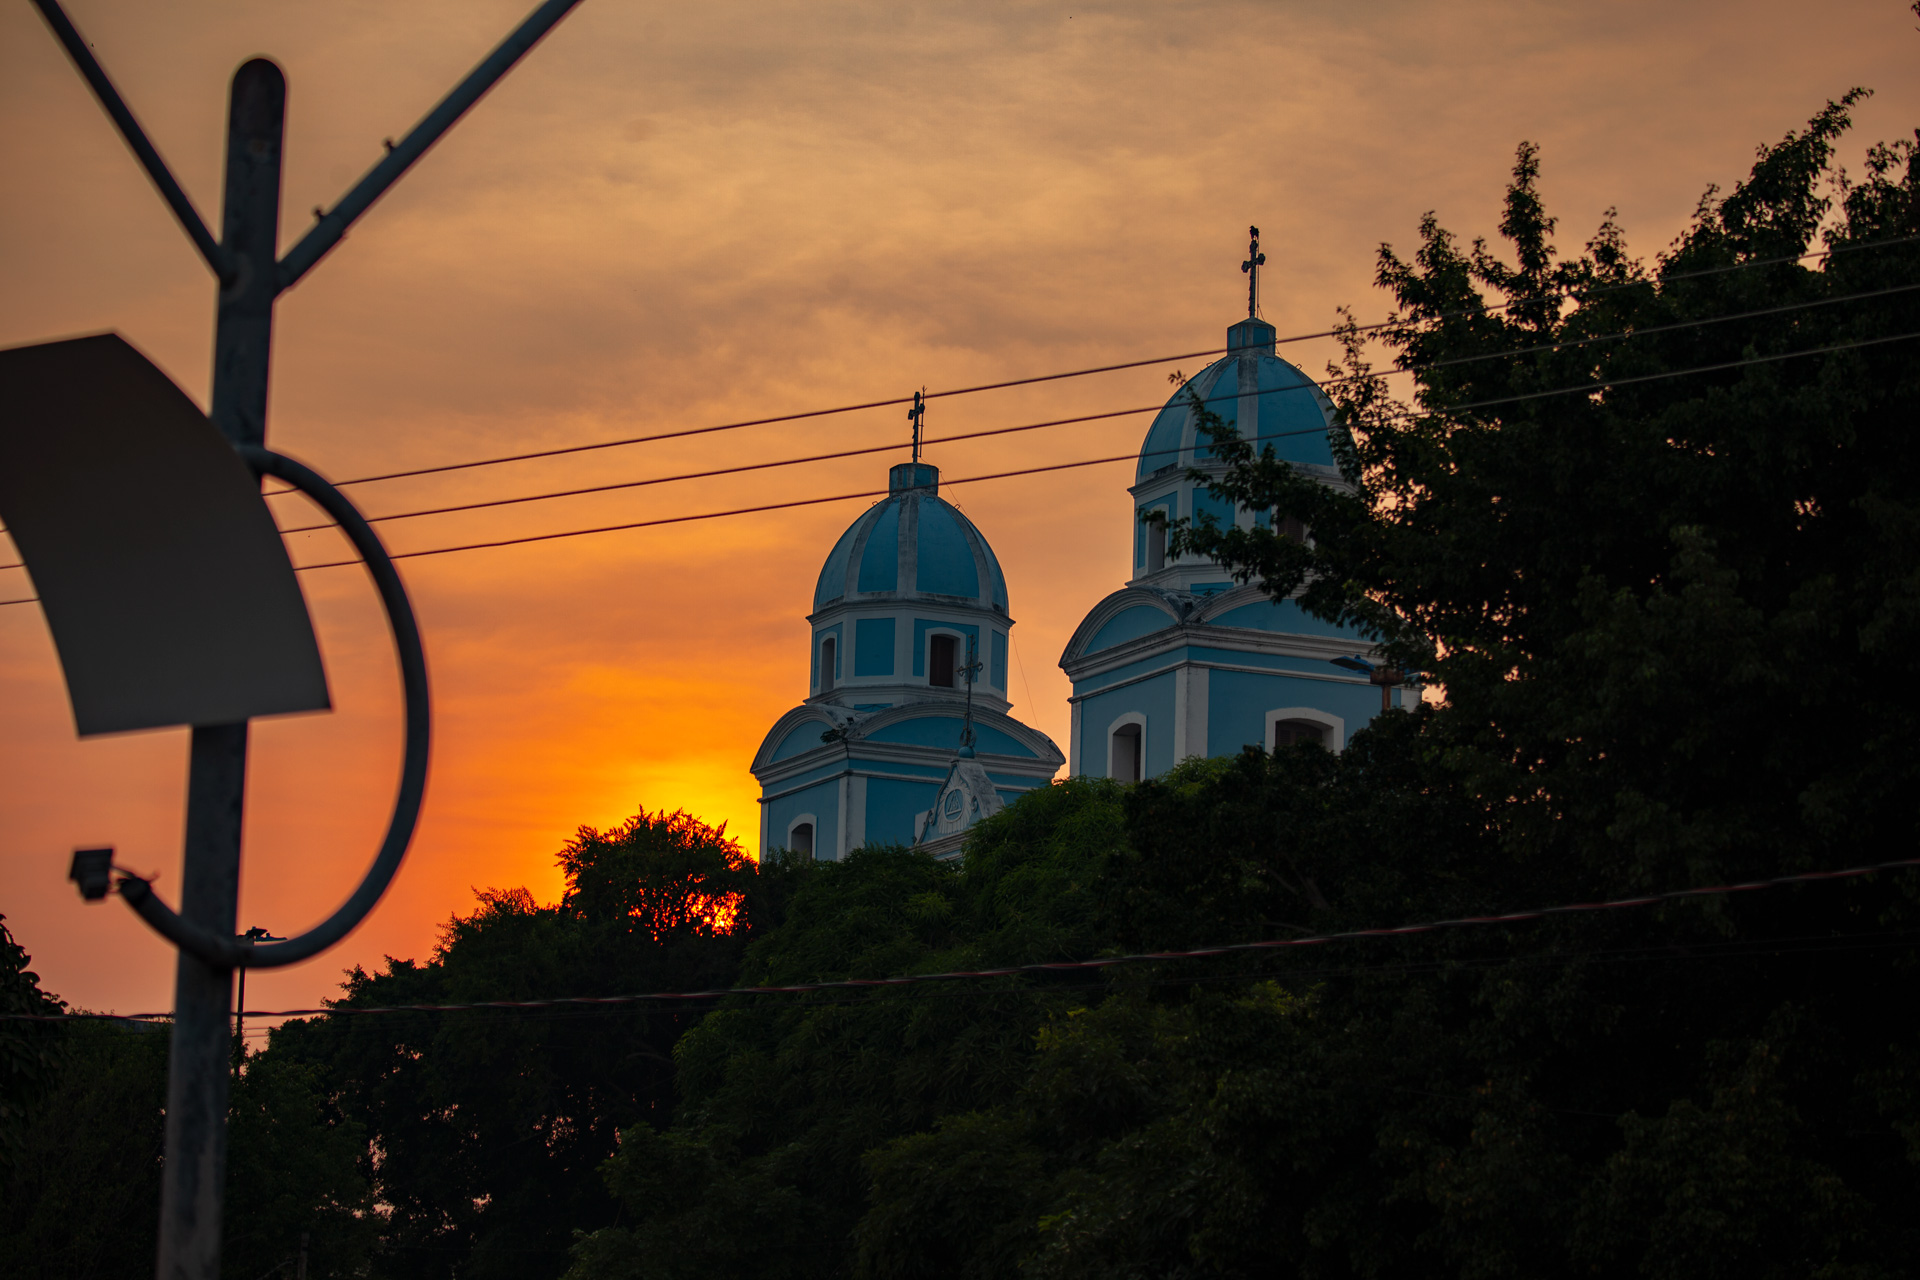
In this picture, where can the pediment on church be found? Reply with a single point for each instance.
(967, 796)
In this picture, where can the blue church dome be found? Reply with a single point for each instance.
(912, 544)
(1250, 384)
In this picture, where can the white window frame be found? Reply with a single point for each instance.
(1335, 726)
(959, 654)
(827, 681)
(1131, 717)
(803, 820)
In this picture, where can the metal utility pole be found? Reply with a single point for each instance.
(194, 1177)
(251, 277)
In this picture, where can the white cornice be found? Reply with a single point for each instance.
(1045, 761)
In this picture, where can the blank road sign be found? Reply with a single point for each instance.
(164, 580)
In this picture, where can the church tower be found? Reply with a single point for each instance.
(907, 661)
(1182, 662)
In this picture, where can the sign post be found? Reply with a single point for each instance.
(251, 276)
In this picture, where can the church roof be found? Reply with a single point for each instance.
(913, 544)
(1249, 384)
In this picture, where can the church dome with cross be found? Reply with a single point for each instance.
(1248, 385)
(907, 672)
(1182, 661)
(913, 543)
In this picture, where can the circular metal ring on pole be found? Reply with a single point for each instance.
(227, 952)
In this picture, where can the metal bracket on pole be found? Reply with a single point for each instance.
(251, 278)
(400, 156)
(225, 951)
(136, 137)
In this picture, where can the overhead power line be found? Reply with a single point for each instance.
(1112, 413)
(1063, 966)
(1108, 368)
(1579, 388)
(613, 486)
(1105, 368)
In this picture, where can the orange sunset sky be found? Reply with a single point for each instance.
(677, 215)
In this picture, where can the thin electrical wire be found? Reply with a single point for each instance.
(1091, 462)
(1066, 966)
(1587, 388)
(1105, 368)
(974, 435)
(1661, 328)
(1055, 422)
(711, 473)
(1609, 383)
(1665, 954)
(1130, 364)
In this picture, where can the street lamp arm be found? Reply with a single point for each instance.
(136, 137)
(227, 952)
(400, 156)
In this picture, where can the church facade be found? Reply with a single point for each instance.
(1182, 662)
(906, 714)
(904, 737)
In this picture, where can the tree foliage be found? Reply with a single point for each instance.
(1646, 529)
(486, 1129)
(82, 1199)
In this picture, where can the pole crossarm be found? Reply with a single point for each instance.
(136, 137)
(401, 156)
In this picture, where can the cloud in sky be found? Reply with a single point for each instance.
(680, 215)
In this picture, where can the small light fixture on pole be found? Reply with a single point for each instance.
(1385, 677)
(251, 936)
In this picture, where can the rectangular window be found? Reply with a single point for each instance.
(942, 661)
(827, 664)
(1288, 732)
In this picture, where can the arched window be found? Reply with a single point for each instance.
(826, 665)
(1288, 725)
(1287, 732)
(942, 660)
(1124, 759)
(800, 840)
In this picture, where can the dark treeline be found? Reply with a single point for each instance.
(1672, 623)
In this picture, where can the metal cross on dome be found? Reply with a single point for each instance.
(918, 416)
(1255, 261)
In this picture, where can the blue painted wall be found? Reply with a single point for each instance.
(873, 646)
(891, 805)
(1207, 503)
(1154, 698)
(944, 731)
(1129, 624)
(823, 801)
(944, 559)
(1238, 702)
(803, 737)
(1286, 615)
(880, 558)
